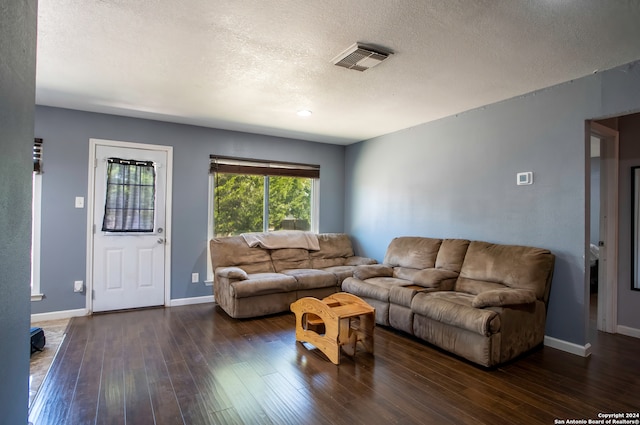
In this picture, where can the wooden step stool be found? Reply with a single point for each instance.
(336, 322)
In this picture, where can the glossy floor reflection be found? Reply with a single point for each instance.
(195, 365)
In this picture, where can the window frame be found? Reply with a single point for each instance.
(36, 213)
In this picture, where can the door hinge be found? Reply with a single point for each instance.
(93, 294)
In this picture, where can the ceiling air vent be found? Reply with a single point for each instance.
(360, 57)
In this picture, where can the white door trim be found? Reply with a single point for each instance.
(90, 205)
(608, 293)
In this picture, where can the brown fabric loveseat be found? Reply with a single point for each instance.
(482, 301)
(281, 267)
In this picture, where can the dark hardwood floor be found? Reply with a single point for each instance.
(195, 365)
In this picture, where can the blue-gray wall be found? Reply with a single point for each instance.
(456, 177)
(17, 95)
(66, 135)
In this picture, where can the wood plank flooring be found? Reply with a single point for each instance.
(195, 365)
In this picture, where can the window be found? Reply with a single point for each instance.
(130, 200)
(261, 196)
(36, 196)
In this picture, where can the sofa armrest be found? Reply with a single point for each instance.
(372, 270)
(359, 261)
(232, 273)
(503, 297)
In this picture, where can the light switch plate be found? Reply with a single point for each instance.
(79, 201)
(195, 277)
(78, 286)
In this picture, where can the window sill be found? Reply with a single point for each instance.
(37, 297)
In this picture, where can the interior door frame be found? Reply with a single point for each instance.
(607, 318)
(91, 204)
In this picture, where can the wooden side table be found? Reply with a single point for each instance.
(346, 318)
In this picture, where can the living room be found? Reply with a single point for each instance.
(452, 177)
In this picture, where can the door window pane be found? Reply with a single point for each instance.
(130, 198)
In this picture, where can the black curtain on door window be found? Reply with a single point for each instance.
(130, 199)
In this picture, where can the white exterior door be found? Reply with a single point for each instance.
(129, 245)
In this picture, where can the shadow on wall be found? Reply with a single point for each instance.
(562, 297)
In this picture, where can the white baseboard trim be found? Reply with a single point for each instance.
(626, 330)
(67, 314)
(189, 301)
(569, 347)
(56, 315)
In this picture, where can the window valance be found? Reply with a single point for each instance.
(225, 164)
(37, 156)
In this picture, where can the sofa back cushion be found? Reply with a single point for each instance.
(412, 252)
(451, 254)
(233, 251)
(290, 258)
(513, 266)
(335, 248)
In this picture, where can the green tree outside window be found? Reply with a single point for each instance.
(239, 203)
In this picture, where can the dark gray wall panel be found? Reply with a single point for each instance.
(17, 94)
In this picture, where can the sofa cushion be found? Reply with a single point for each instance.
(262, 284)
(451, 254)
(323, 263)
(312, 278)
(376, 287)
(234, 251)
(502, 297)
(290, 258)
(334, 249)
(454, 308)
(435, 278)
(412, 252)
(358, 261)
(372, 270)
(511, 265)
(475, 287)
(340, 272)
(406, 273)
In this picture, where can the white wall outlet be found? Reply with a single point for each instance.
(78, 286)
(79, 201)
(524, 178)
(195, 277)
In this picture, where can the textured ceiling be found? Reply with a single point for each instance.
(250, 65)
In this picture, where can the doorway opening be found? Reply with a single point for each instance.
(602, 249)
